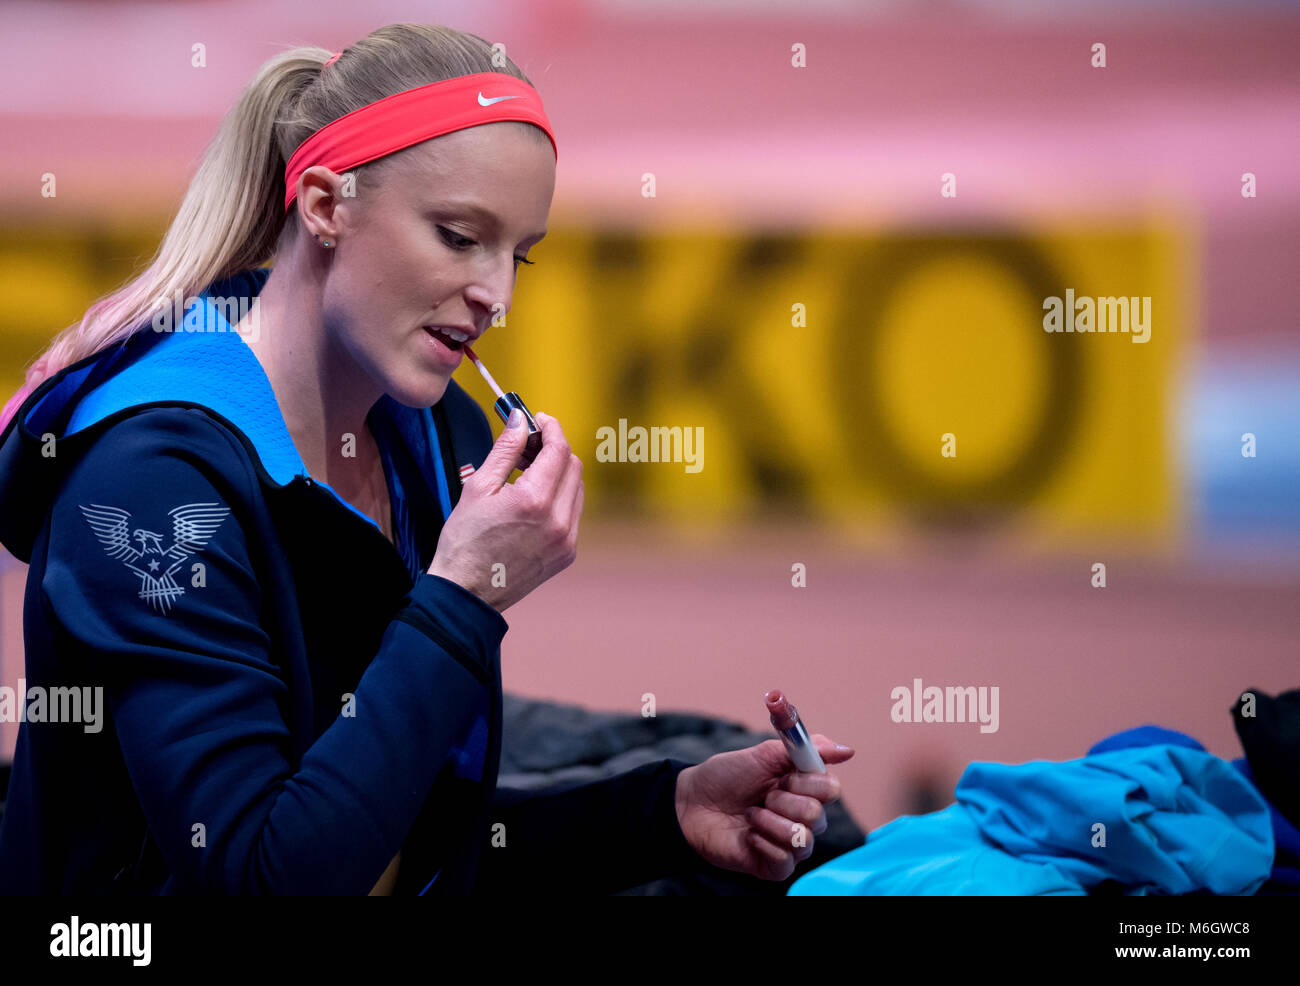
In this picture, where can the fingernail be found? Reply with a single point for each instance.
(841, 746)
(516, 418)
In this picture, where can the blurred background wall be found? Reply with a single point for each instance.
(823, 233)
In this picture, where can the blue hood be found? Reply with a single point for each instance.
(202, 362)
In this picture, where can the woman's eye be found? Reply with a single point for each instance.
(455, 240)
(458, 242)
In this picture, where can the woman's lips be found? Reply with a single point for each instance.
(444, 347)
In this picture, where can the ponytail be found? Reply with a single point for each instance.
(229, 220)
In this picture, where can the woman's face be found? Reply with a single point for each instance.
(433, 240)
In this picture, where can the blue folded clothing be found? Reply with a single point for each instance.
(1161, 818)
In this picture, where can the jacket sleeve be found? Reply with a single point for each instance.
(194, 694)
(595, 838)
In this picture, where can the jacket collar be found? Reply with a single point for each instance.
(203, 361)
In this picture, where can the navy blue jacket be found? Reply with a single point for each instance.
(289, 697)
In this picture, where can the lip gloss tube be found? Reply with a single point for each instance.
(798, 744)
(503, 406)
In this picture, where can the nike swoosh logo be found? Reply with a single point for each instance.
(483, 101)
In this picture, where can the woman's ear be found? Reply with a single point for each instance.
(318, 198)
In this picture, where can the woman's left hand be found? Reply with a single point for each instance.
(750, 811)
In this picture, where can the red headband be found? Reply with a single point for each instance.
(416, 115)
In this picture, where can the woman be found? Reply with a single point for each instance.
(249, 532)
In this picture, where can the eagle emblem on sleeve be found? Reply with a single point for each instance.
(142, 551)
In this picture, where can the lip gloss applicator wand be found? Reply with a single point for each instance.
(504, 404)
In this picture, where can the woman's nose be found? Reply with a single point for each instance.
(494, 293)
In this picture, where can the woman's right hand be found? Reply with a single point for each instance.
(528, 527)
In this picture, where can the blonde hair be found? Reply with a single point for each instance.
(232, 217)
